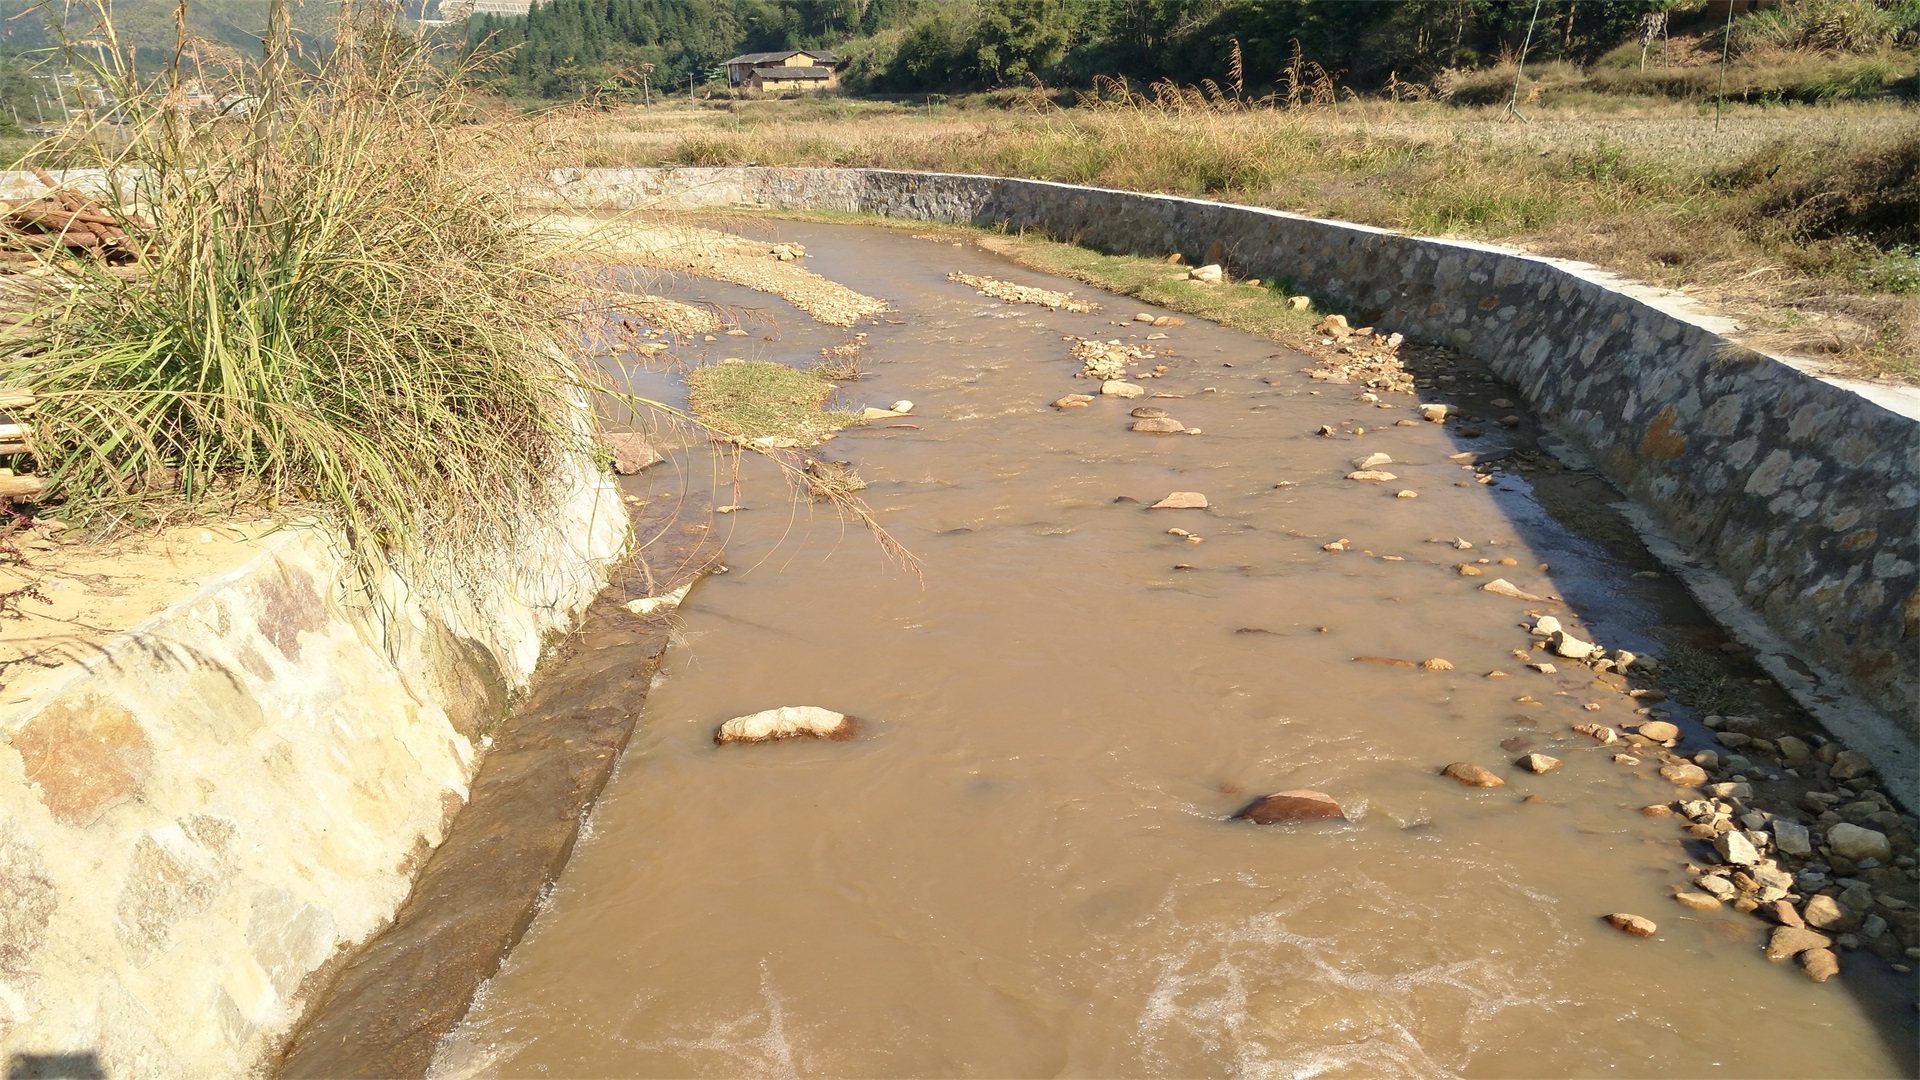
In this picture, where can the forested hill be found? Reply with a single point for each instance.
(567, 47)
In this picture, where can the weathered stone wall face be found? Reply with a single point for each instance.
(198, 819)
(1804, 494)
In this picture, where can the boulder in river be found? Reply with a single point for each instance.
(1539, 763)
(1121, 388)
(788, 722)
(1820, 964)
(1565, 644)
(1159, 425)
(1503, 587)
(1794, 940)
(1636, 925)
(1181, 500)
(1287, 807)
(1472, 775)
(1660, 731)
(1074, 401)
(1148, 412)
(1372, 461)
(1376, 475)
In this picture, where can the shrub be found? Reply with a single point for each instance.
(339, 305)
(1845, 26)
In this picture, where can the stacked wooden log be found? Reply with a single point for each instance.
(63, 218)
(15, 439)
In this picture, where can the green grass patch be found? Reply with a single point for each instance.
(757, 399)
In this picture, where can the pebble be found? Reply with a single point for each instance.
(788, 722)
(1540, 763)
(1636, 925)
(1406, 495)
(1372, 461)
(1435, 413)
(1286, 807)
(1473, 775)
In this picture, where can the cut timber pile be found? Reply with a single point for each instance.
(63, 219)
(13, 440)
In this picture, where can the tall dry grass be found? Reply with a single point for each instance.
(339, 303)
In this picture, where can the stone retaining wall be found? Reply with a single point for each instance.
(198, 819)
(1803, 494)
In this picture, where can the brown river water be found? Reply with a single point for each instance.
(1024, 866)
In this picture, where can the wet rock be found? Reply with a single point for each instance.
(1774, 884)
(1793, 751)
(874, 413)
(1287, 807)
(788, 722)
(1636, 925)
(1473, 775)
(1820, 964)
(1599, 733)
(1148, 412)
(1503, 587)
(1436, 664)
(1468, 570)
(1698, 901)
(1684, 774)
(1181, 500)
(631, 452)
(1169, 320)
(1850, 765)
(1546, 626)
(1435, 413)
(1850, 841)
(1540, 763)
(1735, 848)
(1794, 940)
(1406, 494)
(1372, 461)
(1660, 731)
(1570, 647)
(1074, 401)
(1781, 912)
(647, 605)
(1159, 425)
(1120, 388)
(1371, 474)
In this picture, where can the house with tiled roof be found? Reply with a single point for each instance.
(787, 70)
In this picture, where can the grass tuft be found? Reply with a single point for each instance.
(340, 306)
(758, 400)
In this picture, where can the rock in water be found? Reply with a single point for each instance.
(1121, 388)
(1632, 924)
(1372, 461)
(1435, 413)
(1820, 964)
(788, 722)
(1794, 940)
(1286, 807)
(1159, 425)
(1660, 731)
(1735, 848)
(1376, 475)
(1472, 775)
(1539, 763)
(631, 452)
(1148, 412)
(1181, 500)
(902, 407)
(647, 605)
(1503, 587)
(1684, 774)
(1074, 401)
(1565, 644)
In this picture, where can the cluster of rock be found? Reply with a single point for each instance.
(1023, 294)
(1833, 873)
(1360, 355)
(788, 252)
(1108, 360)
(1568, 647)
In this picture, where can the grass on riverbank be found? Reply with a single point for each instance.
(1652, 190)
(338, 306)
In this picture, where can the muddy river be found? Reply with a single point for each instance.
(1024, 866)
